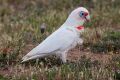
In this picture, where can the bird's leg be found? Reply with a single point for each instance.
(80, 41)
(64, 57)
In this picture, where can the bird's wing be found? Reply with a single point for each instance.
(59, 40)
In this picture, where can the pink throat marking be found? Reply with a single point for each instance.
(80, 27)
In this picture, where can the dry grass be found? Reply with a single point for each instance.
(20, 31)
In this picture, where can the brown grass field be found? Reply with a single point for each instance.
(97, 59)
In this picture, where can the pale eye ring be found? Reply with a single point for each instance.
(81, 14)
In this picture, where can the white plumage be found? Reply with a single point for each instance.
(63, 39)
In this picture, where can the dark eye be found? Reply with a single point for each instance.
(81, 14)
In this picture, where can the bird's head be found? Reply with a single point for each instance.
(78, 17)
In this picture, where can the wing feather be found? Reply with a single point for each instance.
(59, 40)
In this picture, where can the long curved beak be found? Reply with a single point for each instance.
(87, 18)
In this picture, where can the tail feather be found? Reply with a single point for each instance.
(27, 58)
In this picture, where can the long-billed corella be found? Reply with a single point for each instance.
(63, 39)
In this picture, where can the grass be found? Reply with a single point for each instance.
(109, 43)
(83, 69)
(20, 31)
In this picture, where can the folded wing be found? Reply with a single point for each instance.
(57, 41)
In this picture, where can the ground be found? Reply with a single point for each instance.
(74, 55)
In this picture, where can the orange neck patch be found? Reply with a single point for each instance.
(80, 27)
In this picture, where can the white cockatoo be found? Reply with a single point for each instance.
(63, 39)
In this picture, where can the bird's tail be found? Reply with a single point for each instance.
(27, 58)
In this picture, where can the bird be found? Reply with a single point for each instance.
(63, 39)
